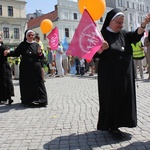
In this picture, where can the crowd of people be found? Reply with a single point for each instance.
(59, 64)
(27, 63)
(118, 60)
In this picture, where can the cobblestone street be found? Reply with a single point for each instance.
(69, 121)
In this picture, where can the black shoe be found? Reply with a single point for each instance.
(10, 101)
(57, 76)
(116, 132)
(113, 130)
(42, 104)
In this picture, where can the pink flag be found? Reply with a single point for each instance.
(53, 39)
(87, 40)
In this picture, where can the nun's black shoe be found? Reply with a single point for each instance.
(116, 133)
(10, 101)
(42, 104)
(114, 130)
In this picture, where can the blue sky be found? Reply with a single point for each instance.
(44, 5)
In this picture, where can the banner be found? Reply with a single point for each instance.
(87, 40)
(65, 44)
(53, 38)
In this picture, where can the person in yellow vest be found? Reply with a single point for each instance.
(37, 39)
(138, 55)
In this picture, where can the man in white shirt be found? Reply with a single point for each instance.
(59, 67)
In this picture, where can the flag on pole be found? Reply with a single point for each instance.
(65, 44)
(87, 40)
(53, 38)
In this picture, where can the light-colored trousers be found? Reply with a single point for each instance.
(59, 67)
(138, 63)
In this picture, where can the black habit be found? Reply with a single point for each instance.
(6, 84)
(32, 86)
(116, 81)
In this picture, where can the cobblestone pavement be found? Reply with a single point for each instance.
(69, 121)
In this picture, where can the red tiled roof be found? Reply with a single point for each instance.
(35, 22)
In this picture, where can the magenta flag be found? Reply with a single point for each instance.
(87, 40)
(53, 38)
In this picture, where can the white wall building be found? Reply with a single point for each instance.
(134, 10)
(69, 18)
(13, 21)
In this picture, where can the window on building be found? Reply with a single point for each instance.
(138, 18)
(44, 36)
(75, 16)
(67, 32)
(130, 17)
(16, 33)
(10, 11)
(66, 15)
(133, 5)
(147, 9)
(101, 19)
(128, 4)
(140, 7)
(6, 32)
(0, 9)
(141, 19)
(137, 6)
(118, 2)
(121, 3)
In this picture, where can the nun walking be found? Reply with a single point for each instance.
(116, 81)
(6, 84)
(32, 88)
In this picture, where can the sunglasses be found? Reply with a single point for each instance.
(30, 35)
(118, 22)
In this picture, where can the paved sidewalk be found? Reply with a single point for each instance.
(69, 121)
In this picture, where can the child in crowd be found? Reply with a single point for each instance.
(82, 66)
(53, 70)
(72, 65)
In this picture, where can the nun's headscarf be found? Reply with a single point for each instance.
(26, 34)
(111, 15)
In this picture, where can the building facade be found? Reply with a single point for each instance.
(67, 20)
(13, 21)
(66, 16)
(134, 10)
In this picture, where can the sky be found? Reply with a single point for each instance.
(45, 5)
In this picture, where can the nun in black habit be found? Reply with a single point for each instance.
(6, 84)
(32, 88)
(116, 83)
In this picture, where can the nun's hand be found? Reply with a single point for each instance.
(39, 49)
(146, 21)
(105, 46)
(6, 52)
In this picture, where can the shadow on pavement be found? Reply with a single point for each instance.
(17, 106)
(5, 107)
(85, 141)
(84, 76)
(138, 145)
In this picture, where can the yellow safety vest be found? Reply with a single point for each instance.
(138, 52)
(42, 46)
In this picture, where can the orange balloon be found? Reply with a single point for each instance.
(46, 26)
(96, 8)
